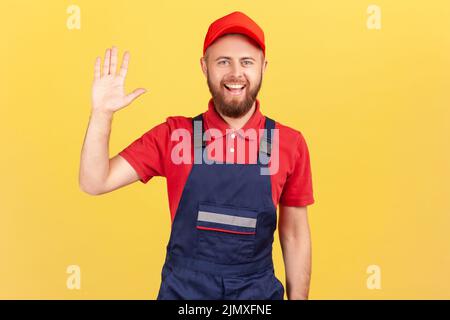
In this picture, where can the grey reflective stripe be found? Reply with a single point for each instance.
(226, 219)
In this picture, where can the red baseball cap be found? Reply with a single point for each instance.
(235, 22)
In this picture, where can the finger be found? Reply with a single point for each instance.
(133, 95)
(112, 67)
(97, 68)
(106, 62)
(124, 67)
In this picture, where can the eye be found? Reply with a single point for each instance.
(223, 62)
(248, 62)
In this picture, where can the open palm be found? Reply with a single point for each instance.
(108, 92)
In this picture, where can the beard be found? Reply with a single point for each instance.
(233, 107)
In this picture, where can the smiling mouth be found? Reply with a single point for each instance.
(235, 89)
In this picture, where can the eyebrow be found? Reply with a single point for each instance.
(229, 58)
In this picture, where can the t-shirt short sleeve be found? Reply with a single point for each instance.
(297, 190)
(146, 154)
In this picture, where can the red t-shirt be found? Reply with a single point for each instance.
(151, 155)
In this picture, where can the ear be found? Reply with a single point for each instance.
(203, 65)
(264, 65)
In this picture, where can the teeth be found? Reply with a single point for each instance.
(235, 86)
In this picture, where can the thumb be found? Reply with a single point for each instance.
(133, 95)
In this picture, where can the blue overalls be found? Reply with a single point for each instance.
(220, 245)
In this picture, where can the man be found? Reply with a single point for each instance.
(223, 207)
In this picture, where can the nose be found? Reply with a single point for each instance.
(237, 71)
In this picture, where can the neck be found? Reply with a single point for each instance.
(238, 123)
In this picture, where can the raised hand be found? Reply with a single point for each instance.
(108, 92)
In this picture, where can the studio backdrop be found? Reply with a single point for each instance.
(367, 83)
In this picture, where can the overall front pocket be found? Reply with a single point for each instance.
(226, 234)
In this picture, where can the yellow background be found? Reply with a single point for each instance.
(373, 106)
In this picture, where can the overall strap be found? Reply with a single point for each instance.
(265, 146)
(198, 141)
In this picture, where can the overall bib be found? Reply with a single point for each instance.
(220, 245)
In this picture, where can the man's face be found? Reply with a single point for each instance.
(234, 67)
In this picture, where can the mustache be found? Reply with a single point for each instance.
(232, 81)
